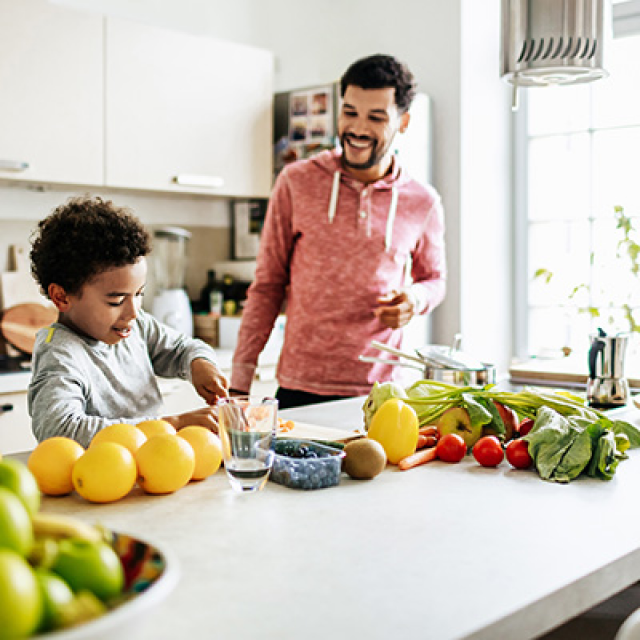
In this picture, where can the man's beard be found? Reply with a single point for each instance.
(375, 156)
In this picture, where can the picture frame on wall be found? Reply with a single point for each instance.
(247, 220)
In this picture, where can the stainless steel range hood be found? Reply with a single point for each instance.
(553, 42)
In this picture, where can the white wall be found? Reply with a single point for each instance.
(452, 46)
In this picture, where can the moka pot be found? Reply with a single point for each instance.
(607, 387)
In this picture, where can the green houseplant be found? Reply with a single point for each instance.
(627, 251)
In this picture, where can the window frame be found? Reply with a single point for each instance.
(625, 22)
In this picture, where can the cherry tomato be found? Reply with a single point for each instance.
(518, 454)
(451, 448)
(488, 451)
(525, 426)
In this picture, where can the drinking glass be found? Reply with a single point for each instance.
(247, 427)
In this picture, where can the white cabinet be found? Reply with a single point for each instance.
(189, 108)
(51, 104)
(15, 425)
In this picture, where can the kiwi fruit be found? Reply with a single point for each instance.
(365, 459)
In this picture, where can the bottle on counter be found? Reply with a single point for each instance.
(211, 298)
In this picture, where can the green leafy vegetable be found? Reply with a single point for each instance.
(378, 395)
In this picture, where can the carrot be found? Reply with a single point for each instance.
(417, 458)
(426, 441)
(429, 430)
(283, 426)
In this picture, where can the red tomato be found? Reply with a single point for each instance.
(488, 451)
(518, 454)
(525, 426)
(451, 448)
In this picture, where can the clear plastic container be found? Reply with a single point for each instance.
(292, 470)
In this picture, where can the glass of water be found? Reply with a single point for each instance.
(247, 427)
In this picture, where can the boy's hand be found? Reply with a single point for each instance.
(208, 381)
(204, 417)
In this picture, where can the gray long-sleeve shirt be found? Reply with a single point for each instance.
(80, 385)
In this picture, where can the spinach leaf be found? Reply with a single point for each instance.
(478, 413)
(631, 431)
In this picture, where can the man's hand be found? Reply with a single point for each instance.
(208, 381)
(395, 309)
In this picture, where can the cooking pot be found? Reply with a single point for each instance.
(440, 363)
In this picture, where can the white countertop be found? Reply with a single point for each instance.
(438, 552)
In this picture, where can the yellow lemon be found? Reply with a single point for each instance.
(51, 463)
(207, 448)
(122, 433)
(165, 463)
(156, 427)
(105, 472)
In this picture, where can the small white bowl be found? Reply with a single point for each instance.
(150, 576)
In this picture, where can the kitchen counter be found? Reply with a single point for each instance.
(441, 551)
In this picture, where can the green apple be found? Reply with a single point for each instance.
(457, 420)
(16, 477)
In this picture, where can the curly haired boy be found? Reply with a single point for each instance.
(97, 364)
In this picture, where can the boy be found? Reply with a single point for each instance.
(97, 364)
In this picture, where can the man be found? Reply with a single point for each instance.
(342, 233)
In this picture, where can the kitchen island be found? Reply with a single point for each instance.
(438, 552)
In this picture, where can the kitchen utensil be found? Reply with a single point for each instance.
(171, 304)
(20, 324)
(607, 386)
(441, 363)
(18, 286)
(247, 428)
(306, 431)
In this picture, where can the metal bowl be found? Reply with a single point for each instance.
(462, 377)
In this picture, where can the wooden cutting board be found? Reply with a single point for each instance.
(19, 324)
(305, 431)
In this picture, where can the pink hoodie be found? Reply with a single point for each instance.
(332, 245)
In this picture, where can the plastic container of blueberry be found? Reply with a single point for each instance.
(303, 464)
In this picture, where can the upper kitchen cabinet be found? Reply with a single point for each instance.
(51, 85)
(186, 113)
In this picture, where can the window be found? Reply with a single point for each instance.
(581, 150)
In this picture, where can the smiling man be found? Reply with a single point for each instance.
(343, 232)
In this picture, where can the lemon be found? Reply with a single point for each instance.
(16, 530)
(207, 449)
(122, 433)
(156, 428)
(51, 463)
(20, 599)
(105, 472)
(165, 463)
(16, 477)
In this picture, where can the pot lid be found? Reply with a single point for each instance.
(446, 357)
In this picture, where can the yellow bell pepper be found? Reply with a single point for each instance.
(395, 426)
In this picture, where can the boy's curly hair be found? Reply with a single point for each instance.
(382, 71)
(83, 238)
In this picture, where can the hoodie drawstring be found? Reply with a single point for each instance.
(334, 196)
(391, 215)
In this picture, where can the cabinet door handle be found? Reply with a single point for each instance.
(187, 180)
(13, 165)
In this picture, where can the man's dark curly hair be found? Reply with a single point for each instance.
(83, 238)
(380, 72)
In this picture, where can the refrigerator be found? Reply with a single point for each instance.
(305, 123)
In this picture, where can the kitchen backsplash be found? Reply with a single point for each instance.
(207, 219)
